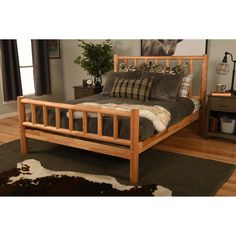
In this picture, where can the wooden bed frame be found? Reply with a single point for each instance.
(128, 149)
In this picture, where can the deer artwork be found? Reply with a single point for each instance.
(157, 47)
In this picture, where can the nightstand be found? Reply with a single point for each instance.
(81, 91)
(218, 107)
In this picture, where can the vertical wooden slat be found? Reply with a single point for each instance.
(71, 123)
(135, 62)
(156, 61)
(167, 62)
(180, 62)
(22, 118)
(203, 92)
(126, 62)
(191, 66)
(115, 126)
(33, 114)
(134, 139)
(45, 116)
(99, 124)
(116, 63)
(85, 122)
(58, 117)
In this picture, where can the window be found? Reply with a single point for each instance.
(26, 66)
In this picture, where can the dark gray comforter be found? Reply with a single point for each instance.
(178, 110)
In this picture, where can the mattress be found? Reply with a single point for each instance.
(178, 109)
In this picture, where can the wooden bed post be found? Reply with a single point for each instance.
(203, 94)
(22, 118)
(204, 80)
(134, 138)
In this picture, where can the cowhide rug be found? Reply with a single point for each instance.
(30, 178)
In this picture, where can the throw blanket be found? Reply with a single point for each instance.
(158, 115)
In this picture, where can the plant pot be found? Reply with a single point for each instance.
(98, 81)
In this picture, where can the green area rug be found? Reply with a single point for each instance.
(183, 175)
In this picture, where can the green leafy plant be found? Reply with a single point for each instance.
(96, 59)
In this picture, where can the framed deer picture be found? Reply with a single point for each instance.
(173, 47)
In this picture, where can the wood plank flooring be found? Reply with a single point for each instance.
(9, 129)
(187, 141)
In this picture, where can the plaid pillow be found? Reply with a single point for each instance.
(134, 89)
(112, 76)
(197, 104)
(185, 86)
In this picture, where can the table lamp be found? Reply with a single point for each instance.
(223, 69)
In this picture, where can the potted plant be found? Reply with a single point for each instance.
(96, 59)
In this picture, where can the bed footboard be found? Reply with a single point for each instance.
(111, 145)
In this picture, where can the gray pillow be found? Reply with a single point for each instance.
(164, 86)
(112, 76)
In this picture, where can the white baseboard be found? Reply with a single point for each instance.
(15, 113)
(8, 115)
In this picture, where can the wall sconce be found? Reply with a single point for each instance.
(223, 69)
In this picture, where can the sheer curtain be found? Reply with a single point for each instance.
(11, 79)
(41, 65)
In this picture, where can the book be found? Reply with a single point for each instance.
(213, 124)
(223, 94)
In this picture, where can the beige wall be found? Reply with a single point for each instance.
(73, 74)
(65, 74)
(216, 50)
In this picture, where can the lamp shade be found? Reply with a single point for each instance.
(222, 68)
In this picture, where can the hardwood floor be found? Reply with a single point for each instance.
(187, 141)
(9, 129)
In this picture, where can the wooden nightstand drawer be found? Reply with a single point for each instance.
(223, 104)
(81, 91)
(217, 108)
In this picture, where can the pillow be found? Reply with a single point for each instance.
(153, 67)
(174, 70)
(112, 76)
(185, 86)
(132, 88)
(164, 86)
(140, 67)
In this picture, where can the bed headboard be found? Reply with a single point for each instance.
(169, 61)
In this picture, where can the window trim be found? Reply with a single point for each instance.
(26, 66)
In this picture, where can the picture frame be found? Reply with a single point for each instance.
(173, 47)
(54, 49)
